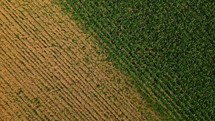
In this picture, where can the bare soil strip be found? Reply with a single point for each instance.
(50, 69)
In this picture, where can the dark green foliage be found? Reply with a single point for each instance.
(166, 46)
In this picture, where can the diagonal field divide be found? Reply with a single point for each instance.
(51, 70)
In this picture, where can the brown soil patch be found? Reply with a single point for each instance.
(50, 70)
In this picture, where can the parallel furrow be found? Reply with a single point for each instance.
(29, 91)
(34, 68)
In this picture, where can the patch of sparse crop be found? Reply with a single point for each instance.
(167, 47)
